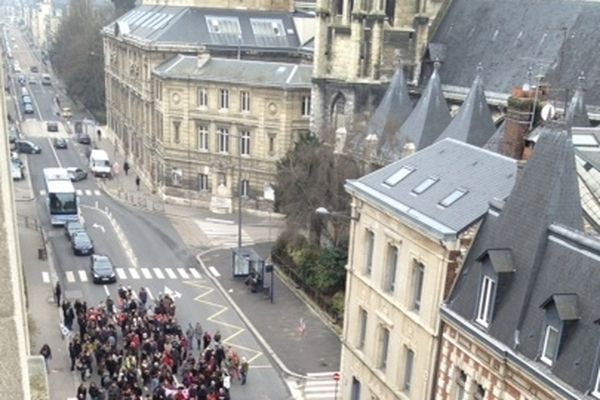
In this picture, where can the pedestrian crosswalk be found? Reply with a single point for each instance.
(223, 233)
(80, 192)
(321, 386)
(156, 273)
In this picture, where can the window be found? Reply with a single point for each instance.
(479, 393)
(418, 275)
(339, 7)
(176, 125)
(223, 99)
(305, 106)
(271, 143)
(245, 143)
(384, 343)
(244, 101)
(202, 137)
(408, 368)
(389, 283)
(550, 347)
(203, 183)
(461, 381)
(596, 388)
(370, 245)
(453, 197)
(223, 140)
(245, 188)
(426, 184)
(397, 176)
(362, 323)
(202, 97)
(486, 298)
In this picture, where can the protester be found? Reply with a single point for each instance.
(57, 293)
(47, 354)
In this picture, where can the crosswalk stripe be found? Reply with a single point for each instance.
(45, 277)
(121, 273)
(70, 276)
(171, 273)
(88, 192)
(195, 273)
(214, 271)
(150, 296)
(134, 294)
(183, 273)
(134, 273)
(158, 273)
(223, 233)
(97, 192)
(79, 192)
(146, 273)
(83, 275)
(42, 192)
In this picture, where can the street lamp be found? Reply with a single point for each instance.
(338, 214)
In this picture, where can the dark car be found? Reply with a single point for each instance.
(52, 126)
(82, 244)
(59, 143)
(22, 81)
(84, 138)
(72, 227)
(13, 135)
(34, 69)
(76, 174)
(102, 269)
(27, 147)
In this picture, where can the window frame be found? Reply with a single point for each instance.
(223, 99)
(245, 101)
(202, 97)
(409, 365)
(223, 140)
(370, 251)
(596, 388)
(485, 300)
(306, 106)
(550, 360)
(389, 280)
(384, 347)
(177, 132)
(363, 321)
(245, 188)
(203, 183)
(202, 136)
(245, 142)
(417, 285)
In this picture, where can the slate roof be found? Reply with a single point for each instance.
(577, 114)
(473, 123)
(495, 142)
(452, 165)
(244, 72)
(540, 224)
(211, 27)
(510, 36)
(390, 114)
(429, 117)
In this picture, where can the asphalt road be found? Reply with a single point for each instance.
(144, 247)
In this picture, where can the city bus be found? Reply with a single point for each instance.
(61, 198)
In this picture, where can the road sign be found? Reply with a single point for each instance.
(337, 376)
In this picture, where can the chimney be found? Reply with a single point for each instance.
(519, 113)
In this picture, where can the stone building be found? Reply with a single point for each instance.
(412, 221)
(214, 113)
(149, 35)
(521, 321)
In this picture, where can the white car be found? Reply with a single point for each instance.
(16, 171)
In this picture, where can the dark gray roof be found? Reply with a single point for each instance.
(245, 72)
(540, 223)
(386, 120)
(495, 142)
(211, 27)
(510, 36)
(451, 166)
(429, 117)
(473, 124)
(566, 306)
(577, 114)
(501, 259)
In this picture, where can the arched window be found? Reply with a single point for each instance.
(338, 112)
(339, 7)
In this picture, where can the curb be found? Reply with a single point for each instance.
(255, 332)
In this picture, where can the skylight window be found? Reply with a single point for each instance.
(223, 25)
(399, 175)
(453, 197)
(426, 184)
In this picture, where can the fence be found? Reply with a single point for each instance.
(141, 201)
(29, 222)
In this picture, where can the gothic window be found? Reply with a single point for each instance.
(339, 7)
(390, 8)
(338, 112)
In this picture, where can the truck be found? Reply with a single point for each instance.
(99, 163)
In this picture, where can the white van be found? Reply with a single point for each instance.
(99, 164)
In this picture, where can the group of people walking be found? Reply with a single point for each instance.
(129, 349)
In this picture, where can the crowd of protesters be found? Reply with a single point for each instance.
(132, 349)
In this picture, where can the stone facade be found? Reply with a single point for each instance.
(356, 43)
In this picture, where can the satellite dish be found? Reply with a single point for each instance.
(548, 112)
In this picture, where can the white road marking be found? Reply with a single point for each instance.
(158, 273)
(171, 273)
(79, 192)
(97, 192)
(134, 273)
(45, 277)
(134, 294)
(121, 273)
(146, 273)
(195, 273)
(42, 192)
(88, 192)
(220, 221)
(183, 273)
(106, 290)
(214, 271)
(149, 294)
(70, 276)
(83, 275)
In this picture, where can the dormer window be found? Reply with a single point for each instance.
(562, 311)
(596, 388)
(496, 266)
(485, 306)
(550, 348)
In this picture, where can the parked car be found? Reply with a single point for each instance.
(66, 112)
(28, 108)
(52, 126)
(34, 69)
(27, 147)
(32, 81)
(59, 143)
(82, 244)
(46, 80)
(84, 138)
(102, 269)
(76, 174)
(16, 171)
(73, 227)
(26, 99)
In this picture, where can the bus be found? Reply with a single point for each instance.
(61, 198)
